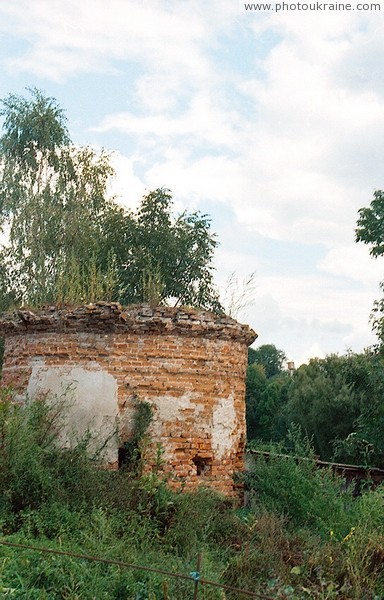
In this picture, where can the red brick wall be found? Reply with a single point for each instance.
(189, 365)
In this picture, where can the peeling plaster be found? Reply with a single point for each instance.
(169, 414)
(223, 426)
(170, 408)
(91, 399)
(190, 365)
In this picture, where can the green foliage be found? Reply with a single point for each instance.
(266, 385)
(364, 544)
(370, 230)
(163, 258)
(323, 402)
(52, 200)
(256, 384)
(301, 537)
(365, 444)
(306, 537)
(269, 357)
(33, 466)
(202, 518)
(134, 448)
(57, 496)
(335, 397)
(32, 127)
(337, 402)
(153, 286)
(265, 404)
(25, 442)
(68, 242)
(377, 320)
(292, 486)
(77, 283)
(370, 225)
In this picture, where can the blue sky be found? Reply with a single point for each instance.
(271, 122)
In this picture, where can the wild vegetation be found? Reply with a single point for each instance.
(300, 535)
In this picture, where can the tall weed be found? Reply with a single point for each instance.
(292, 486)
(34, 467)
(364, 544)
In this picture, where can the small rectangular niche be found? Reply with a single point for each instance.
(203, 465)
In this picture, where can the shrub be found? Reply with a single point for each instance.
(34, 467)
(364, 544)
(293, 487)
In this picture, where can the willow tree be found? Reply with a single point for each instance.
(52, 203)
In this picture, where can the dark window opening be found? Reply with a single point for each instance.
(122, 455)
(128, 457)
(203, 465)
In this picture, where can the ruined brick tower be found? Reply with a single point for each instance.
(188, 364)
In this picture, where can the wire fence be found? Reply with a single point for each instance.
(194, 577)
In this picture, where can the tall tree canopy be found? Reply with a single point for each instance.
(340, 398)
(161, 257)
(265, 393)
(336, 401)
(265, 400)
(68, 241)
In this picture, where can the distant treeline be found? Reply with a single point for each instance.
(337, 401)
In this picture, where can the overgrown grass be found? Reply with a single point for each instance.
(299, 537)
(291, 485)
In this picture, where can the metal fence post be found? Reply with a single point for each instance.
(196, 576)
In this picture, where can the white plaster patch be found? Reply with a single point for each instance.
(169, 410)
(223, 426)
(91, 396)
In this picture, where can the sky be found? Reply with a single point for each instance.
(270, 121)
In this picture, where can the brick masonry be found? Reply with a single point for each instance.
(189, 364)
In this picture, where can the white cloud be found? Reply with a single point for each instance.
(282, 165)
(354, 262)
(68, 38)
(126, 186)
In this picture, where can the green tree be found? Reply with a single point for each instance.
(265, 404)
(256, 384)
(370, 225)
(370, 230)
(323, 403)
(266, 394)
(365, 444)
(163, 258)
(52, 201)
(336, 397)
(269, 357)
